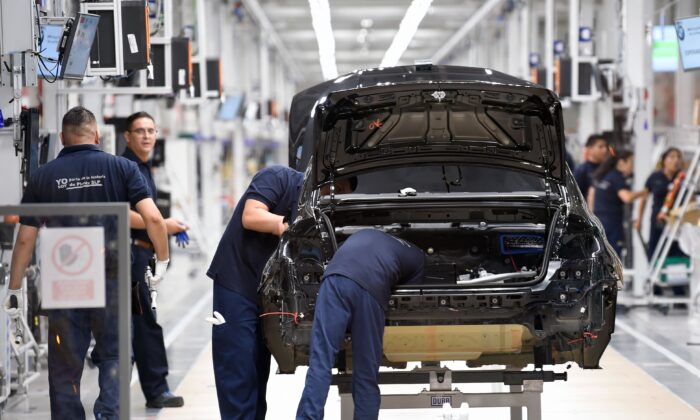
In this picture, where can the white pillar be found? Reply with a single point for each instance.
(524, 41)
(685, 81)
(637, 67)
(264, 74)
(549, 42)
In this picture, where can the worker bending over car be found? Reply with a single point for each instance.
(355, 293)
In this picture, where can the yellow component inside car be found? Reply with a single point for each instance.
(451, 342)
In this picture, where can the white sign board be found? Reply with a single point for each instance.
(72, 267)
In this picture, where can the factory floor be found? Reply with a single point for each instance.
(649, 370)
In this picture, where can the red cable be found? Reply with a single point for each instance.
(294, 314)
(585, 334)
(515, 267)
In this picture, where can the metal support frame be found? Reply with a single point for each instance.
(121, 212)
(257, 12)
(464, 30)
(525, 390)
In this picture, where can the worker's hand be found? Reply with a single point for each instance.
(281, 227)
(662, 217)
(638, 225)
(14, 307)
(153, 279)
(175, 226)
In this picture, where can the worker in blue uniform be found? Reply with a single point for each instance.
(241, 358)
(355, 293)
(147, 342)
(63, 180)
(610, 194)
(596, 152)
(658, 184)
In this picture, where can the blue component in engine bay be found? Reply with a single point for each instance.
(520, 243)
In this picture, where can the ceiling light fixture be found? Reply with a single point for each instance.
(407, 29)
(321, 21)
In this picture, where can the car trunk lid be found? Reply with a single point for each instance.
(511, 126)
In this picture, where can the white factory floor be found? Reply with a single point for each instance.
(649, 372)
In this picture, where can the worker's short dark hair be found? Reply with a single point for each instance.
(595, 138)
(77, 117)
(137, 115)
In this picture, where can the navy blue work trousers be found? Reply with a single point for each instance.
(342, 303)
(69, 339)
(147, 340)
(240, 356)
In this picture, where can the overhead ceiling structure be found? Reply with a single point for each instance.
(363, 31)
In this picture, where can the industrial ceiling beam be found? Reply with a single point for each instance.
(258, 14)
(393, 13)
(373, 34)
(470, 24)
(371, 57)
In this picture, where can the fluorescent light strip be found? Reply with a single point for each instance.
(321, 20)
(407, 29)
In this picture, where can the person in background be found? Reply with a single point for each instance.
(148, 344)
(610, 193)
(658, 185)
(596, 153)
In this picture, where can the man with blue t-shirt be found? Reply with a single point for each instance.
(355, 293)
(596, 153)
(82, 173)
(147, 342)
(240, 355)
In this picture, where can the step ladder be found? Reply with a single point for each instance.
(672, 228)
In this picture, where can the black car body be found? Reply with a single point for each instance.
(517, 270)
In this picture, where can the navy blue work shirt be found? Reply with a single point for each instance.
(659, 186)
(145, 170)
(583, 174)
(377, 262)
(85, 174)
(607, 205)
(242, 253)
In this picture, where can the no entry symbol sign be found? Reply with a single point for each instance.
(72, 255)
(72, 267)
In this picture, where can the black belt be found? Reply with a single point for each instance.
(142, 244)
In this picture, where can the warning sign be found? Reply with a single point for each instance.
(72, 267)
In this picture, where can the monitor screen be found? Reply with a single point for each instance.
(688, 32)
(664, 50)
(78, 46)
(230, 108)
(49, 67)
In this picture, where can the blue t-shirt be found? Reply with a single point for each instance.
(85, 174)
(242, 253)
(377, 262)
(659, 186)
(583, 174)
(145, 169)
(607, 205)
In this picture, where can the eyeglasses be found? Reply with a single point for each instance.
(142, 131)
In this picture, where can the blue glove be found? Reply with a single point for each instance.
(182, 239)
